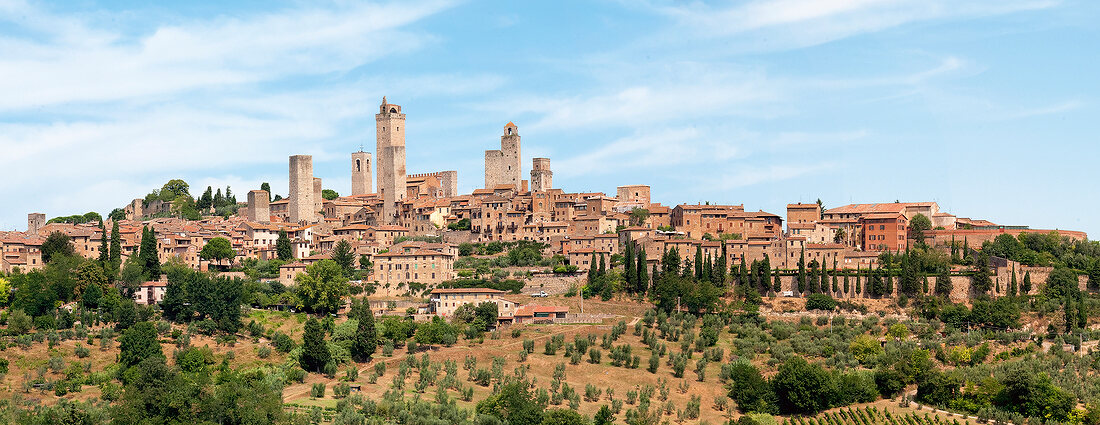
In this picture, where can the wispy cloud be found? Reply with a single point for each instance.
(192, 55)
(785, 24)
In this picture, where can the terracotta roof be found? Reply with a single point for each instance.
(293, 265)
(527, 311)
(419, 252)
(883, 216)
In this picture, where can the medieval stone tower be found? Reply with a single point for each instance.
(35, 221)
(318, 201)
(502, 166)
(301, 189)
(259, 206)
(390, 133)
(542, 179)
(361, 183)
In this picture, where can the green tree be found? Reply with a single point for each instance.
(801, 387)
(266, 188)
(57, 244)
(218, 249)
(322, 288)
(147, 254)
(366, 337)
(1026, 287)
(344, 256)
(174, 189)
(513, 405)
(643, 276)
(104, 248)
(138, 343)
(980, 281)
(315, 352)
(802, 271)
(603, 417)
(116, 252)
(943, 284)
(117, 214)
(1061, 283)
(918, 225)
(1034, 395)
(282, 247)
(748, 388)
(629, 274)
(329, 194)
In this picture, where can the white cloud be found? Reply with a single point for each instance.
(86, 64)
(785, 24)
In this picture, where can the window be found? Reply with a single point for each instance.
(882, 227)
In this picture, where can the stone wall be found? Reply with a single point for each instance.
(301, 189)
(361, 183)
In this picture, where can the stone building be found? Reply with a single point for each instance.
(318, 200)
(502, 167)
(35, 221)
(302, 208)
(361, 183)
(448, 181)
(632, 196)
(446, 301)
(542, 179)
(413, 265)
(390, 136)
(259, 206)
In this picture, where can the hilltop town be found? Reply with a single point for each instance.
(410, 227)
(290, 310)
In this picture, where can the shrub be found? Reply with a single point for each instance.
(340, 390)
(820, 302)
(594, 356)
(82, 351)
(263, 352)
(318, 390)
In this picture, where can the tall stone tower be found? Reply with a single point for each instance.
(259, 206)
(542, 179)
(318, 200)
(361, 183)
(301, 189)
(35, 221)
(502, 166)
(390, 124)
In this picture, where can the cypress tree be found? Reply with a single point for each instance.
(924, 286)
(847, 288)
(366, 337)
(802, 271)
(603, 266)
(1012, 285)
(656, 273)
(116, 252)
(628, 267)
(699, 262)
(283, 248)
(858, 288)
(777, 285)
(1070, 314)
(314, 351)
(592, 269)
(1082, 312)
(148, 254)
(943, 284)
(743, 272)
(104, 251)
(1027, 283)
(642, 280)
(720, 267)
(836, 283)
(824, 286)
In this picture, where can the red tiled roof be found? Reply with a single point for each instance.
(466, 291)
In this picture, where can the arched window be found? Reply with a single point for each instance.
(393, 110)
(358, 168)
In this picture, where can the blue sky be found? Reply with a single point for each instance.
(987, 107)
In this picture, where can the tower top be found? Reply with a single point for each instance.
(387, 108)
(510, 129)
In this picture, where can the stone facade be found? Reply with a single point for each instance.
(502, 167)
(361, 183)
(446, 301)
(302, 208)
(35, 221)
(413, 265)
(259, 206)
(448, 181)
(542, 179)
(390, 135)
(632, 196)
(318, 200)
